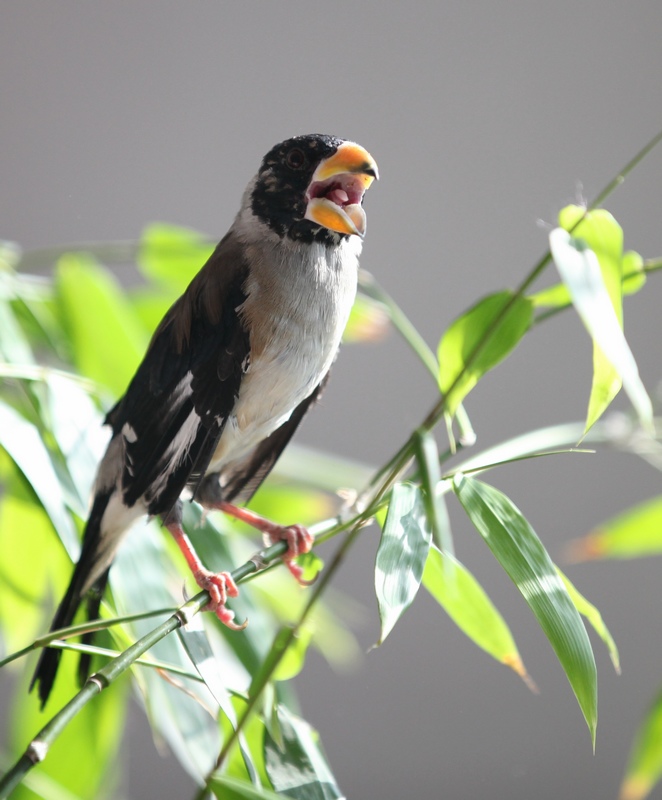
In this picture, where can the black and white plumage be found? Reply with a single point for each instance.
(233, 366)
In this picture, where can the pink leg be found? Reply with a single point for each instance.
(220, 585)
(298, 539)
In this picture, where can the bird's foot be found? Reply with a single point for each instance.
(299, 540)
(220, 586)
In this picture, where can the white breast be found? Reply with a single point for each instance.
(299, 299)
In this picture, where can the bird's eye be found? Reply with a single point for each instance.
(296, 158)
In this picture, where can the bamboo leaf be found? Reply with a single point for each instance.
(226, 787)
(172, 255)
(488, 321)
(401, 555)
(24, 445)
(427, 457)
(594, 617)
(580, 270)
(199, 650)
(520, 552)
(466, 603)
(107, 339)
(644, 768)
(634, 533)
(296, 766)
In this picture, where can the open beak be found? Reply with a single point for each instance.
(336, 190)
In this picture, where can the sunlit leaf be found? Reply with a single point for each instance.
(580, 271)
(644, 768)
(520, 552)
(500, 321)
(226, 787)
(296, 766)
(634, 276)
(172, 255)
(594, 617)
(466, 603)
(23, 443)
(401, 555)
(634, 533)
(108, 340)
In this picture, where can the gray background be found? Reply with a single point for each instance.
(485, 118)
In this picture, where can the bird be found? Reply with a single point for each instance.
(230, 371)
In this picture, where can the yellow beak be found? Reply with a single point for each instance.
(349, 172)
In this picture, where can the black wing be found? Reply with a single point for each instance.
(176, 406)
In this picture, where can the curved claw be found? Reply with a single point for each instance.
(299, 540)
(220, 586)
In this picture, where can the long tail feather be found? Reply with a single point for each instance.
(49, 659)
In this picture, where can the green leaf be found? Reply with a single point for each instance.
(478, 340)
(225, 787)
(594, 617)
(172, 255)
(296, 766)
(634, 276)
(464, 600)
(196, 644)
(600, 232)
(613, 361)
(634, 533)
(427, 457)
(107, 339)
(644, 767)
(519, 551)
(401, 555)
(24, 445)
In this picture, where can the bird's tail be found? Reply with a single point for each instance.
(79, 586)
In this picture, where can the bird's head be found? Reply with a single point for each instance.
(310, 188)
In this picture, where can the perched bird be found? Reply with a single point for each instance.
(232, 369)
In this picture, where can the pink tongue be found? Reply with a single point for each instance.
(338, 196)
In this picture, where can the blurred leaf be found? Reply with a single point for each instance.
(466, 603)
(23, 443)
(172, 255)
(580, 270)
(401, 555)
(368, 321)
(320, 470)
(225, 787)
(14, 345)
(594, 617)
(634, 276)
(644, 767)
(150, 305)
(108, 340)
(294, 658)
(485, 322)
(76, 425)
(556, 296)
(519, 551)
(30, 563)
(635, 533)
(297, 768)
